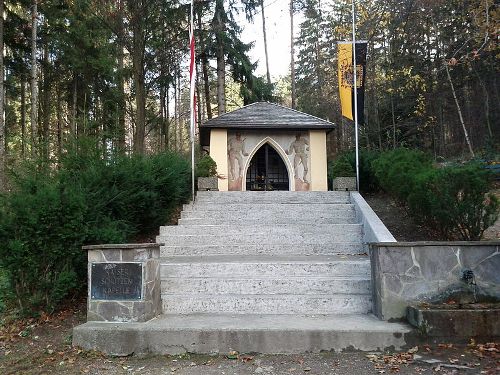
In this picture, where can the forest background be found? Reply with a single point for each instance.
(116, 71)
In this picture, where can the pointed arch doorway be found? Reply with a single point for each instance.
(267, 171)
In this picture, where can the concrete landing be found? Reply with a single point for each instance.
(222, 333)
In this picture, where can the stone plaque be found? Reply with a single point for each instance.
(116, 281)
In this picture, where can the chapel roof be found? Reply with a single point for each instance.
(265, 115)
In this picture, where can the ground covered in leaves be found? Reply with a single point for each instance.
(43, 346)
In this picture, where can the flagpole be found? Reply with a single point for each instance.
(192, 80)
(355, 82)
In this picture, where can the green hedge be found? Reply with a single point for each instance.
(344, 165)
(205, 167)
(51, 213)
(395, 170)
(453, 200)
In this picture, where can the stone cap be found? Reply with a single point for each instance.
(436, 243)
(123, 246)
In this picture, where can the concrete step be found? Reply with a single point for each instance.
(222, 333)
(297, 215)
(274, 206)
(263, 249)
(259, 211)
(215, 286)
(266, 304)
(277, 230)
(272, 197)
(285, 239)
(269, 220)
(264, 267)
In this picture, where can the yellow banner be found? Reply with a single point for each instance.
(345, 79)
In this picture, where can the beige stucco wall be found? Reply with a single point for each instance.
(317, 139)
(218, 152)
(315, 179)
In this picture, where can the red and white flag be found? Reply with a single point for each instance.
(192, 75)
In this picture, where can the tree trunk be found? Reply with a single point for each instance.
(179, 109)
(72, 124)
(486, 102)
(140, 102)
(466, 134)
(292, 57)
(393, 116)
(176, 115)
(59, 125)
(221, 64)
(377, 117)
(167, 119)
(2, 94)
(122, 103)
(22, 109)
(265, 41)
(138, 42)
(204, 67)
(34, 78)
(162, 116)
(45, 102)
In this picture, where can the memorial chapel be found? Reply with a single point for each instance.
(266, 146)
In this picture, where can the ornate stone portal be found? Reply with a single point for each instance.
(288, 156)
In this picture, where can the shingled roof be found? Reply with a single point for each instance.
(264, 115)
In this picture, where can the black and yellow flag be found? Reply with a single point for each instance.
(346, 78)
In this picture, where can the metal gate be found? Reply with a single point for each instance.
(267, 171)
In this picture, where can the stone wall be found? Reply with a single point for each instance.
(140, 301)
(405, 273)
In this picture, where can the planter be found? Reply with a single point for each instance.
(344, 183)
(208, 183)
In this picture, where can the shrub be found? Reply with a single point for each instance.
(341, 168)
(206, 167)
(41, 231)
(455, 201)
(367, 180)
(51, 213)
(396, 170)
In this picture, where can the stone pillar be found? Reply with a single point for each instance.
(218, 152)
(317, 140)
(123, 282)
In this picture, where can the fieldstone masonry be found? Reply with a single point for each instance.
(117, 293)
(406, 273)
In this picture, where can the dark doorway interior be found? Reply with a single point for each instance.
(267, 171)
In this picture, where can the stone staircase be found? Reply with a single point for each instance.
(266, 272)
(265, 253)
